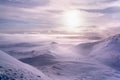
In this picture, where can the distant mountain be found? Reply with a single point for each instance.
(12, 69)
(107, 51)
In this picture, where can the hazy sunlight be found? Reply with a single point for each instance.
(72, 20)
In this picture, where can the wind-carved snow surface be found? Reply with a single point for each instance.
(12, 69)
(88, 61)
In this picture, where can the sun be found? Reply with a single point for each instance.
(72, 20)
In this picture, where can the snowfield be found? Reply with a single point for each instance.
(51, 60)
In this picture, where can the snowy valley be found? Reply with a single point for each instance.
(51, 60)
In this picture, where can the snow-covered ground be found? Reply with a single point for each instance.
(106, 51)
(54, 60)
(12, 69)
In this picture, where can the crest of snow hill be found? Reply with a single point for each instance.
(106, 51)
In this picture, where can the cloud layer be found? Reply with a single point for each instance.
(35, 15)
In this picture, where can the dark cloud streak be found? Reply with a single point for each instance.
(55, 11)
(109, 10)
(24, 3)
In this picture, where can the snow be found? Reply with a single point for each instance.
(79, 70)
(12, 69)
(106, 51)
(52, 60)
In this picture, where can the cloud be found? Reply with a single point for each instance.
(24, 3)
(110, 1)
(113, 30)
(55, 11)
(2, 21)
(25, 25)
(94, 4)
(25, 18)
(94, 37)
(46, 14)
(108, 10)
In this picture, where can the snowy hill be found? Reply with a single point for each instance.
(107, 51)
(12, 69)
(27, 49)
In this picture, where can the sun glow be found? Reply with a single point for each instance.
(72, 20)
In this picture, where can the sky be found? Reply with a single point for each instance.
(94, 18)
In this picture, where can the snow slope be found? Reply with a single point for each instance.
(106, 51)
(12, 69)
(78, 70)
